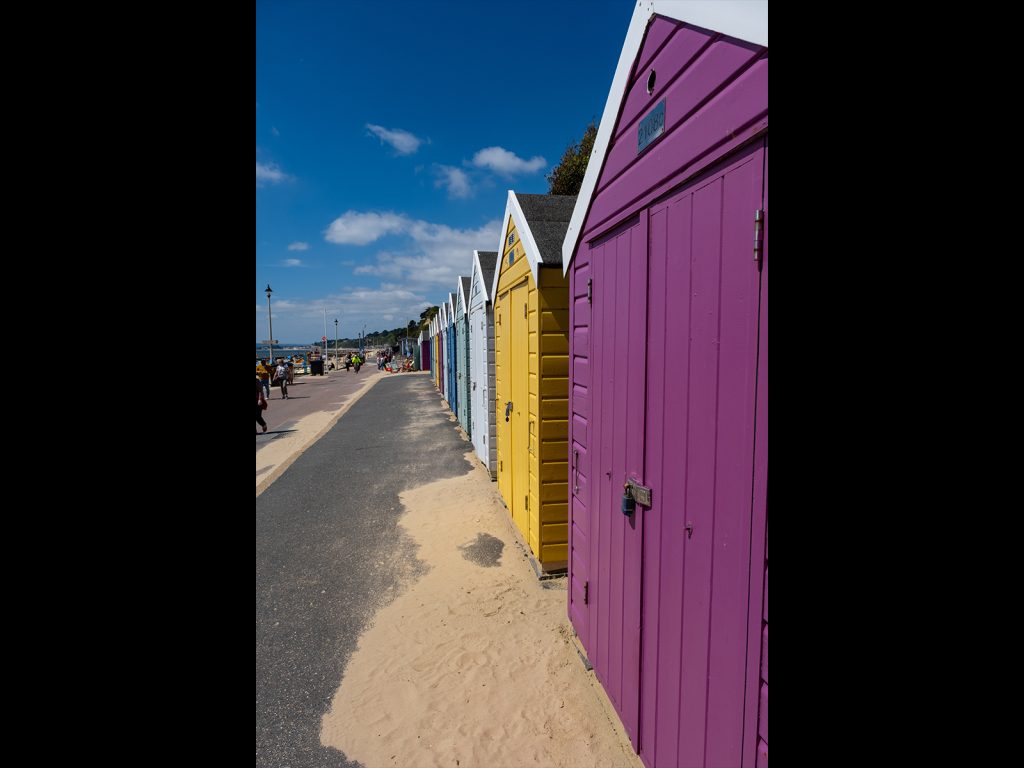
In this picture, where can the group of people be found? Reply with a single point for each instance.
(383, 358)
(353, 360)
(280, 374)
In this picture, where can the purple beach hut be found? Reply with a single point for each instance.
(667, 254)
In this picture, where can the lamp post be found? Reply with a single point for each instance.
(271, 323)
(335, 343)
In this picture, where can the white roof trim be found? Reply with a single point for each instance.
(513, 210)
(451, 309)
(463, 298)
(742, 19)
(478, 274)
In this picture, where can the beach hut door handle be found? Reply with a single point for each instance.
(508, 409)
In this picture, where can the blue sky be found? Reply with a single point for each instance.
(387, 136)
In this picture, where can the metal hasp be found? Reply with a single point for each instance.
(758, 229)
(508, 409)
(641, 494)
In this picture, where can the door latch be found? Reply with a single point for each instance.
(508, 409)
(632, 494)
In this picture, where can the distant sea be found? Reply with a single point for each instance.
(295, 349)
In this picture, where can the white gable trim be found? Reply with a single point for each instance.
(451, 309)
(478, 276)
(515, 212)
(742, 19)
(463, 299)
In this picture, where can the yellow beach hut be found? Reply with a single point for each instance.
(531, 344)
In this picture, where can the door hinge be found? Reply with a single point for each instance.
(527, 502)
(590, 291)
(758, 229)
(501, 466)
(586, 593)
(526, 310)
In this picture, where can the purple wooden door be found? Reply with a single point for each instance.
(619, 350)
(701, 533)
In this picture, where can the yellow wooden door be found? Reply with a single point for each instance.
(519, 370)
(501, 395)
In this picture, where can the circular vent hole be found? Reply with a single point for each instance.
(650, 81)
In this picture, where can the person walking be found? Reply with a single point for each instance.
(281, 378)
(291, 372)
(261, 404)
(263, 372)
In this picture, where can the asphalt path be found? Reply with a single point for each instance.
(308, 395)
(329, 554)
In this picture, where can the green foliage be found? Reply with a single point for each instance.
(567, 177)
(387, 338)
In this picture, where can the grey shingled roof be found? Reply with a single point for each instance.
(488, 263)
(548, 217)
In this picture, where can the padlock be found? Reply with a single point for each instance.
(628, 502)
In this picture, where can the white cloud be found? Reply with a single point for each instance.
(377, 308)
(436, 256)
(298, 247)
(269, 173)
(506, 163)
(274, 131)
(403, 142)
(420, 267)
(354, 228)
(456, 181)
(293, 262)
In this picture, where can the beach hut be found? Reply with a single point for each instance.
(462, 354)
(438, 364)
(424, 361)
(481, 359)
(531, 343)
(441, 357)
(432, 330)
(453, 364)
(446, 358)
(667, 253)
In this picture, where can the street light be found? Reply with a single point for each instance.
(271, 323)
(335, 343)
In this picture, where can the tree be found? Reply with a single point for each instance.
(567, 177)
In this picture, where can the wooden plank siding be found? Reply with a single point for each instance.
(553, 417)
(667, 383)
(761, 501)
(579, 439)
(542, 515)
(716, 95)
